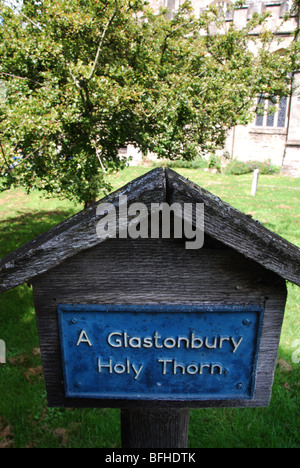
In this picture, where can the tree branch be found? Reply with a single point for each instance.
(23, 14)
(96, 61)
(99, 159)
(21, 78)
(4, 157)
(73, 77)
(32, 22)
(27, 157)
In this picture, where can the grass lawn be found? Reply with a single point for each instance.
(25, 419)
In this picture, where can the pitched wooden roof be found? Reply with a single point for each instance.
(222, 222)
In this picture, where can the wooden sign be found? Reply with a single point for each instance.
(144, 324)
(161, 352)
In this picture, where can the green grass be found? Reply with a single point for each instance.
(25, 419)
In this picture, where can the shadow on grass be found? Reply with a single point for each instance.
(18, 230)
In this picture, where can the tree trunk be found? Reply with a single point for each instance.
(89, 203)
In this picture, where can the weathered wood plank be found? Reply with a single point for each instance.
(237, 230)
(155, 428)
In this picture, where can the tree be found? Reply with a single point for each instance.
(86, 77)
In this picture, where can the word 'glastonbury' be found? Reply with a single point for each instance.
(119, 340)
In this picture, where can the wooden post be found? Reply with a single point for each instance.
(155, 427)
(2, 352)
(254, 182)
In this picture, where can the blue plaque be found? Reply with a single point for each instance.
(159, 352)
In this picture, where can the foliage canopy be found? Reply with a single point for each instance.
(82, 78)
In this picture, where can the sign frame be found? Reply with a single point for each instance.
(75, 389)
